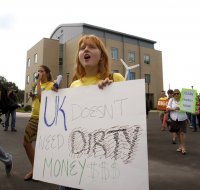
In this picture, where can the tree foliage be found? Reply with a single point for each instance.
(7, 84)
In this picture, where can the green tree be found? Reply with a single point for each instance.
(7, 84)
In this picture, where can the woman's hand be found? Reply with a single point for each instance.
(177, 108)
(31, 94)
(54, 88)
(104, 83)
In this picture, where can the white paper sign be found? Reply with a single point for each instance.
(94, 139)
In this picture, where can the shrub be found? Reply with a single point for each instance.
(27, 108)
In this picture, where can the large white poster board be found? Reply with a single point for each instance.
(94, 139)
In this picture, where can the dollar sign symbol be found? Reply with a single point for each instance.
(115, 171)
(104, 171)
(93, 171)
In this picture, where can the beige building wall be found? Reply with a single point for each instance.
(69, 63)
(47, 51)
(48, 54)
(155, 71)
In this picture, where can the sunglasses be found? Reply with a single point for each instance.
(176, 93)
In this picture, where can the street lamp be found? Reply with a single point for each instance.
(148, 93)
(147, 81)
(67, 79)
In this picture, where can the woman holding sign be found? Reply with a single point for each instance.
(92, 66)
(178, 120)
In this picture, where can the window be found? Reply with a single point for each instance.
(35, 58)
(34, 77)
(28, 62)
(114, 53)
(131, 75)
(27, 79)
(147, 59)
(131, 56)
(147, 78)
(60, 38)
(61, 50)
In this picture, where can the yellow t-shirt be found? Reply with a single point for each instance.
(36, 102)
(85, 81)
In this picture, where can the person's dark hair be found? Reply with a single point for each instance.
(48, 72)
(170, 91)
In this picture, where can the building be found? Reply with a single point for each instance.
(59, 52)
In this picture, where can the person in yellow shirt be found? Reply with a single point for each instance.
(44, 82)
(162, 102)
(92, 67)
(93, 64)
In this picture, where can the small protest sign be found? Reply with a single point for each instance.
(188, 100)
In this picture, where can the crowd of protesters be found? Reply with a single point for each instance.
(176, 120)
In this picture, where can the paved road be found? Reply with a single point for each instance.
(168, 170)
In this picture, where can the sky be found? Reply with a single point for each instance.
(173, 24)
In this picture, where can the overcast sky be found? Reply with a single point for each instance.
(173, 24)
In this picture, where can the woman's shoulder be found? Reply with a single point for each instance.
(118, 77)
(171, 100)
(75, 83)
(47, 85)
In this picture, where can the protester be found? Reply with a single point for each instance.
(162, 102)
(6, 158)
(44, 82)
(165, 121)
(3, 94)
(92, 67)
(194, 121)
(179, 121)
(3, 102)
(13, 105)
(198, 112)
(168, 120)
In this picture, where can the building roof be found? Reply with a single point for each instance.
(102, 29)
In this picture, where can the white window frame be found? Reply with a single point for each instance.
(27, 79)
(28, 62)
(34, 75)
(147, 78)
(36, 58)
(131, 56)
(132, 75)
(146, 59)
(114, 53)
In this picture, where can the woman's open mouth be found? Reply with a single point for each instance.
(86, 56)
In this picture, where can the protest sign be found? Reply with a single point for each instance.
(94, 139)
(162, 103)
(188, 100)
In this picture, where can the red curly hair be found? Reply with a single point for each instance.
(104, 63)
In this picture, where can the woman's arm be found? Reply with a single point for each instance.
(170, 106)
